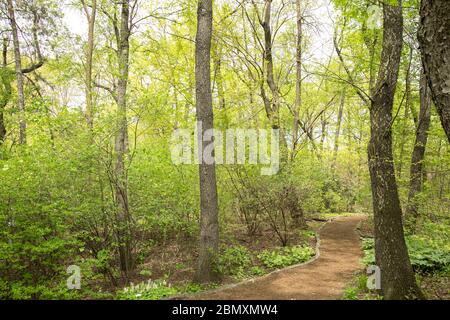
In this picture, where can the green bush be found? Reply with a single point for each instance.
(307, 234)
(233, 261)
(286, 256)
(256, 271)
(426, 255)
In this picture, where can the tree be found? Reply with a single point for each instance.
(35, 10)
(90, 16)
(298, 82)
(338, 127)
(435, 48)
(273, 110)
(391, 254)
(19, 74)
(209, 225)
(122, 27)
(405, 119)
(124, 233)
(5, 89)
(418, 155)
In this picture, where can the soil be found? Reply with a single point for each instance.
(324, 278)
(175, 259)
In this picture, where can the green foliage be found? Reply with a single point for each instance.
(159, 289)
(350, 293)
(151, 290)
(237, 261)
(287, 256)
(256, 271)
(145, 273)
(358, 290)
(233, 261)
(6, 77)
(58, 205)
(426, 255)
(307, 234)
(192, 287)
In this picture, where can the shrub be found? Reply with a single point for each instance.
(256, 271)
(287, 256)
(425, 255)
(274, 200)
(233, 261)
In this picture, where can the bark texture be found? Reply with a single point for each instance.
(391, 254)
(434, 39)
(408, 106)
(418, 155)
(209, 223)
(91, 16)
(272, 106)
(338, 128)
(124, 233)
(298, 83)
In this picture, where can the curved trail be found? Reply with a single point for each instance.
(324, 278)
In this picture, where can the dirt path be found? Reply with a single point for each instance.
(323, 278)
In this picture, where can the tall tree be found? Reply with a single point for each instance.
(418, 155)
(273, 106)
(209, 222)
(34, 9)
(337, 134)
(391, 254)
(122, 23)
(124, 232)
(90, 16)
(19, 73)
(404, 133)
(434, 42)
(298, 82)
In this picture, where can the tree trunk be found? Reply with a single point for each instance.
(209, 224)
(124, 233)
(323, 131)
(19, 74)
(418, 155)
(274, 107)
(5, 90)
(434, 42)
(298, 83)
(338, 128)
(217, 52)
(274, 115)
(91, 16)
(406, 114)
(391, 254)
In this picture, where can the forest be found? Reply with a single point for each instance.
(227, 149)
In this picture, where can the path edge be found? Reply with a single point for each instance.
(251, 280)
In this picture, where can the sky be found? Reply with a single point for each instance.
(74, 20)
(320, 14)
(321, 37)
